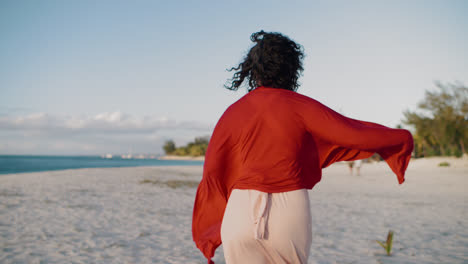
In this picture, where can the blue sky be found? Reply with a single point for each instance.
(92, 77)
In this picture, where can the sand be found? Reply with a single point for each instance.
(174, 157)
(143, 215)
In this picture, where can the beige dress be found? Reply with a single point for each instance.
(265, 228)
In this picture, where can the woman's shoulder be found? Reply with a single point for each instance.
(264, 99)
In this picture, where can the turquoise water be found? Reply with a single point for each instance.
(19, 164)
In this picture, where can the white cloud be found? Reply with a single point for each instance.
(111, 122)
(42, 133)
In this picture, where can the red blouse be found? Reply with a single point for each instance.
(276, 140)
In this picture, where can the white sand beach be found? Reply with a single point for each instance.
(174, 157)
(143, 215)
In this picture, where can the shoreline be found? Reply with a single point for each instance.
(426, 163)
(27, 164)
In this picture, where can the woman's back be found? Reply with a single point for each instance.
(269, 139)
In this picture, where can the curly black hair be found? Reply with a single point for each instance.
(274, 61)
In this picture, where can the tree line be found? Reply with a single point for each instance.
(195, 148)
(441, 122)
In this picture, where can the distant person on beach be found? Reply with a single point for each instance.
(358, 165)
(267, 150)
(355, 164)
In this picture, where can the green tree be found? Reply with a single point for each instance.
(196, 148)
(202, 140)
(169, 147)
(441, 125)
(181, 151)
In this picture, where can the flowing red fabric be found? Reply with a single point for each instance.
(275, 140)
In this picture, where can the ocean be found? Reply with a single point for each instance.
(21, 163)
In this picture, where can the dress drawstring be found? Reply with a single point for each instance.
(259, 204)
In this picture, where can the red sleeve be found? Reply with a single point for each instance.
(212, 193)
(343, 138)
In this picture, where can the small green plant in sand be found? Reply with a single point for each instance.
(387, 245)
(444, 164)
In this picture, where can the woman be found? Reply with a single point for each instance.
(267, 149)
